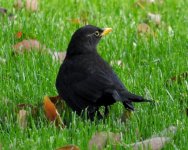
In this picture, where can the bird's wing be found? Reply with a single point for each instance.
(94, 86)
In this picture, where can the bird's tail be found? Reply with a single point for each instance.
(129, 98)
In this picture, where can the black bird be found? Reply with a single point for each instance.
(85, 80)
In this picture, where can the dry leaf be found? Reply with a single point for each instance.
(69, 147)
(32, 5)
(51, 112)
(58, 56)
(50, 109)
(22, 118)
(143, 28)
(26, 46)
(18, 4)
(167, 132)
(99, 140)
(155, 143)
(34, 109)
(19, 34)
(155, 18)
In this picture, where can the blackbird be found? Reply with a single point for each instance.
(86, 81)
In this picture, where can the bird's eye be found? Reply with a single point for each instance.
(97, 33)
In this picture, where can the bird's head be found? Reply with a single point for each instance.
(85, 39)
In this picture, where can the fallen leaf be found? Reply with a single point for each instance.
(27, 46)
(58, 56)
(32, 5)
(143, 28)
(19, 34)
(99, 140)
(155, 18)
(50, 109)
(51, 112)
(167, 132)
(22, 118)
(18, 4)
(155, 143)
(34, 109)
(69, 147)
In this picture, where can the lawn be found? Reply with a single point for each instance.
(147, 62)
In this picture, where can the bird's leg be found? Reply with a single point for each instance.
(93, 112)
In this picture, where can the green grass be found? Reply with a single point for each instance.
(29, 77)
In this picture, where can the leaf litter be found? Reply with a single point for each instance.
(22, 118)
(101, 139)
(52, 113)
(69, 147)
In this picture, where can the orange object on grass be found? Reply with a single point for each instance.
(50, 109)
(19, 34)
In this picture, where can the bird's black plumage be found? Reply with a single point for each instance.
(85, 80)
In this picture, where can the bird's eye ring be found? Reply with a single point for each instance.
(97, 33)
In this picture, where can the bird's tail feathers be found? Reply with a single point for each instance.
(136, 98)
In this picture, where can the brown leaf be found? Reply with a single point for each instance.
(155, 143)
(19, 34)
(51, 112)
(34, 109)
(50, 109)
(22, 118)
(143, 28)
(155, 18)
(167, 132)
(99, 140)
(27, 46)
(69, 147)
(58, 56)
(18, 4)
(32, 5)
